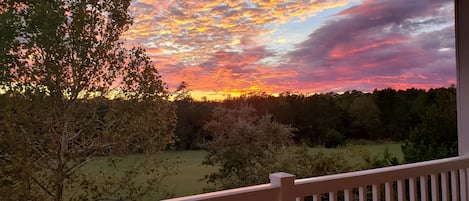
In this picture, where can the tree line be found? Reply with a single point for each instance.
(330, 118)
(252, 136)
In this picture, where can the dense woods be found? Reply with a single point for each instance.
(328, 119)
(254, 135)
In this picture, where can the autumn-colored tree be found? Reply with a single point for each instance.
(64, 61)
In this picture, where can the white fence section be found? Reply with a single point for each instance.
(437, 180)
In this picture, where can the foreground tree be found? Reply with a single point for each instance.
(64, 61)
(243, 142)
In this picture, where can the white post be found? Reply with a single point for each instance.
(287, 185)
(462, 62)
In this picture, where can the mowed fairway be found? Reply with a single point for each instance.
(191, 171)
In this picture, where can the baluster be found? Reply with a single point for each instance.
(454, 186)
(315, 197)
(423, 188)
(467, 183)
(375, 192)
(412, 189)
(463, 184)
(333, 196)
(388, 189)
(361, 193)
(434, 186)
(444, 186)
(400, 190)
(348, 195)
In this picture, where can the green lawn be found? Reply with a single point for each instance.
(191, 171)
(187, 181)
(394, 149)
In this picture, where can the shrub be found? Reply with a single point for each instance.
(334, 139)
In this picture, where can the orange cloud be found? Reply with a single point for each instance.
(221, 47)
(193, 32)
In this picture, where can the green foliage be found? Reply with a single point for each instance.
(386, 114)
(119, 180)
(304, 163)
(364, 117)
(436, 136)
(63, 61)
(357, 115)
(139, 126)
(14, 173)
(382, 160)
(243, 144)
(93, 128)
(246, 148)
(190, 122)
(9, 31)
(334, 139)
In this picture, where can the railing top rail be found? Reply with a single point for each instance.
(307, 186)
(377, 176)
(455, 162)
(234, 194)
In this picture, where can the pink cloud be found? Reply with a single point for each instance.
(378, 44)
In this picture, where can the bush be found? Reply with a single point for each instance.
(334, 139)
(243, 146)
(381, 160)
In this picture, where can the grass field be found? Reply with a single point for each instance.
(189, 180)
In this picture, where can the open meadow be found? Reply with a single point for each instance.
(190, 170)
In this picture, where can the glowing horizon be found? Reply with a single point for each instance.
(253, 46)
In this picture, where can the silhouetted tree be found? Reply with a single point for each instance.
(58, 117)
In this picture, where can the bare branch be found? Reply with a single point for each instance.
(42, 186)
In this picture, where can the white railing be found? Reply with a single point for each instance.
(444, 179)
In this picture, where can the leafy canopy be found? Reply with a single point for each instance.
(60, 61)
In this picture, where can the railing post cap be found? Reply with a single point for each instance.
(276, 179)
(279, 175)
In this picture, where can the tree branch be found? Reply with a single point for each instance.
(42, 186)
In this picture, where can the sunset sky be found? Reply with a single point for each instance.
(222, 47)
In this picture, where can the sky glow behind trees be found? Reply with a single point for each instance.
(222, 47)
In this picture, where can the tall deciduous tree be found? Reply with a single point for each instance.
(63, 59)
